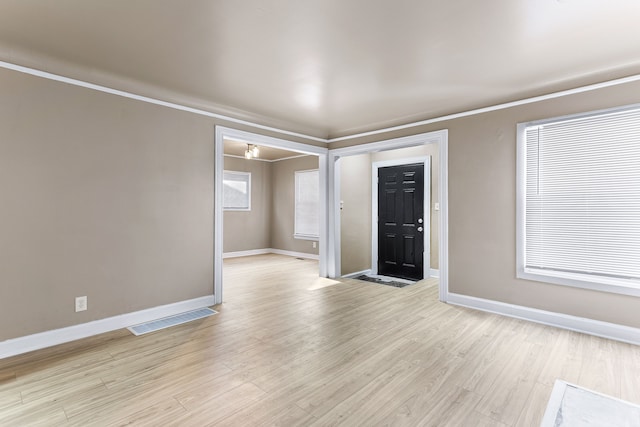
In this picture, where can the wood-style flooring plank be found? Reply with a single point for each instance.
(35, 414)
(160, 414)
(270, 411)
(213, 410)
(630, 376)
(9, 399)
(535, 405)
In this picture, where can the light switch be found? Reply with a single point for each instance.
(436, 206)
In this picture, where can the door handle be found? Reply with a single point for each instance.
(419, 220)
(419, 228)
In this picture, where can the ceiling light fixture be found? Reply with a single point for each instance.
(251, 152)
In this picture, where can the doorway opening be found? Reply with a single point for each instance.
(262, 210)
(354, 241)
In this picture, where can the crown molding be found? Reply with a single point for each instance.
(183, 103)
(266, 160)
(65, 72)
(495, 107)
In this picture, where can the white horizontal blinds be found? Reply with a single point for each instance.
(533, 226)
(583, 195)
(307, 204)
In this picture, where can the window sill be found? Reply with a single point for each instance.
(584, 281)
(306, 237)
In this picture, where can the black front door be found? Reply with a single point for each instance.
(401, 221)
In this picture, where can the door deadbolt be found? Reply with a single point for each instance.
(419, 220)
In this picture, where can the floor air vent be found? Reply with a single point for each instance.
(167, 322)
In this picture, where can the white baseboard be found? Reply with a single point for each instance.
(246, 253)
(579, 324)
(356, 274)
(269, 251)
(15, 346)
(294, 254)
(435, 273)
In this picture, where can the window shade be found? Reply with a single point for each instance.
(582, 207)
(307, 204)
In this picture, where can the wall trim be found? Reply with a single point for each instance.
(496, 107)
(265, 251)
(294, 254)
(21, 345)
(356, 274)
(258, 159)
(265, 160)
(598, 328)
(434, 273)
(150, 100)
(251, 252)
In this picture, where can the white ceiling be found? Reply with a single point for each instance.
(327, 67)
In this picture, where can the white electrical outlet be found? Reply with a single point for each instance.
(315, 245)
(81, 304)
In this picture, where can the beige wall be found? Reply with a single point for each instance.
(355, 193)
(103, 197)
(247, 230)
(100, 196)
(482, 204)
(282, 222)
(355, 215)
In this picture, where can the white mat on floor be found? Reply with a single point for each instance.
(574, 406)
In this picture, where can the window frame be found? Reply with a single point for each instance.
(578, 280)
(248, 180)
(296, 235)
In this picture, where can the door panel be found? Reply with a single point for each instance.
(408, 204)
(409, 251)
(400, 207)
(390, 202)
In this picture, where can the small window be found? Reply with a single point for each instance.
(307, 205)
(579, 201)
(237, 191)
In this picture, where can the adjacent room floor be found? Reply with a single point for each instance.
(288, 348)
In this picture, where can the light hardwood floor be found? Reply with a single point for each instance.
(288, 348)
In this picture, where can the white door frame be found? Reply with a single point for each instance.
(426, 256)
(222, 133)
(437, 137)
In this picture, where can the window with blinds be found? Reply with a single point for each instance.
(236, 191)
(307, 205)
(579, 200)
